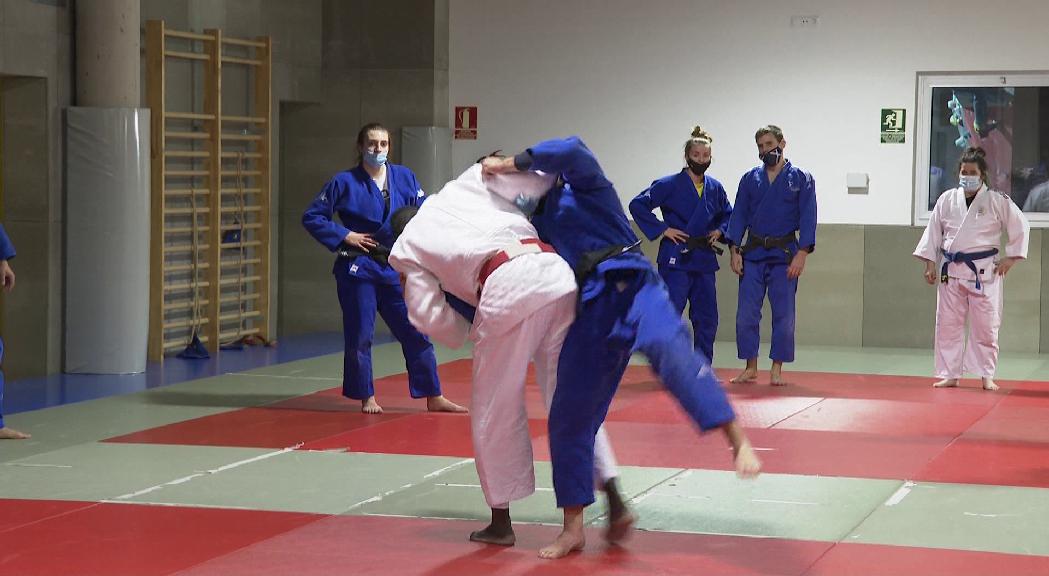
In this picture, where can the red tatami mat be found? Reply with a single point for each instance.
(18, 513)
(361, 545)
(868, 559)
(890, 417)
(987, 462)
(133, 540)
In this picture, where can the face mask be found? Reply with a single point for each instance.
(970, 183)
(697, 168)
(772, 157)
(374, 159)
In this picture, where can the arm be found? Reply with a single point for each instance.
(7, 252)
(570, 158)
(1019, 231)
(807, 209)
(318, 219)
(428, 309)
(928, 249)
(739, 220)
(724, 215)
(641, 208)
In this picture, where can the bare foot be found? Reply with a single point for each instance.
(620, 528)
(946, 383)
(442, 404)
(747, 463)
(493, 535)
(988, 384)
(370, 406)
(566, 543)
(777, 380)
(12, 434)
(745, 377)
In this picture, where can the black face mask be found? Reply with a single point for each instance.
(772, 157)
(697, 168)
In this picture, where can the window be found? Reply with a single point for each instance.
(1007, 114)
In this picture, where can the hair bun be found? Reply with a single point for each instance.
(699, 133)
(976, 151)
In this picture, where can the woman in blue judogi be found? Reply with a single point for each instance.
(695, 215)
(623, 307)
(776, 207)
(7, 281)
(364, 198)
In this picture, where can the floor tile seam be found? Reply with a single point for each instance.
(228, 553)
(128, 497)
(793, 414)
(428, 477)
(52, 517)
(643, 494)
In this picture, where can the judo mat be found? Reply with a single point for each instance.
(270, 471)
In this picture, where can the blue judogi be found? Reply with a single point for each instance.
(623, 307)
(771, 210)
(366, 285)
(7, 252)
(687, 271)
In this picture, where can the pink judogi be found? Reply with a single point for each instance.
(955, 228)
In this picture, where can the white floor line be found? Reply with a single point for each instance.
(900, 494)
(284, 377)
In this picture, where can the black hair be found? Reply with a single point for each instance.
(362, 135)
(975, 155)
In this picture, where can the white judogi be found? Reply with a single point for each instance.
(523, 314)
(955, 228)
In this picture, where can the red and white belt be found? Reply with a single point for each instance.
(526, 246)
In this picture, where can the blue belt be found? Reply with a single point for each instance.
(967, 258)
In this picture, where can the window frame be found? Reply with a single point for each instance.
(927, 81)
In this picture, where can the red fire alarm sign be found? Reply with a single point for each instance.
(466, 122)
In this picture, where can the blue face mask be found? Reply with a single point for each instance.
(772, 157)
(970, 183)
(374, 159)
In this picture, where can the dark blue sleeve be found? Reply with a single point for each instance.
(739, 221)
(641, 208)
(7, 249)
(807, 212)
(724, 214)
(318, 219)
(465, 310)
(570, 158)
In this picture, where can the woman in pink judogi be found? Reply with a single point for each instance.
(964, 235)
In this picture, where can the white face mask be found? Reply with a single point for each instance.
(970, 183)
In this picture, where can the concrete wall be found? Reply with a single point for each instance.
(862, 287)
(378, 65)
(632, 78)
(36, 66)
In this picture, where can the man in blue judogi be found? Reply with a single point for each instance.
(623, 307)
(7, 281)
(776, 207)
(695, 212)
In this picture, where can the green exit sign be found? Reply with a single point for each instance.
(893, 125)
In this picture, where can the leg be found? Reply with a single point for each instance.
(357, 299)
(686, 374)
(499, 421)
(500, 532)
(703, 312)
(985, 318)
(620, 518)
(782, 295)
(678, 283)
(5, 432)
(419, 357)
(951, 309)
(590, 366)
(748, 318)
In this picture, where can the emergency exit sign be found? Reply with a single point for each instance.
(466, 122)
(893, 125)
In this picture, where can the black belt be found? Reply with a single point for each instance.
(379, 253)
(588, 262)
(701, 243)
(782, 242)
(967, 258)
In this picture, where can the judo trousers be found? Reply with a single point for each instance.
(499, 419)
(758, 278)
(699, 291)
(631, 312)
(956, 301)
(360, 299)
